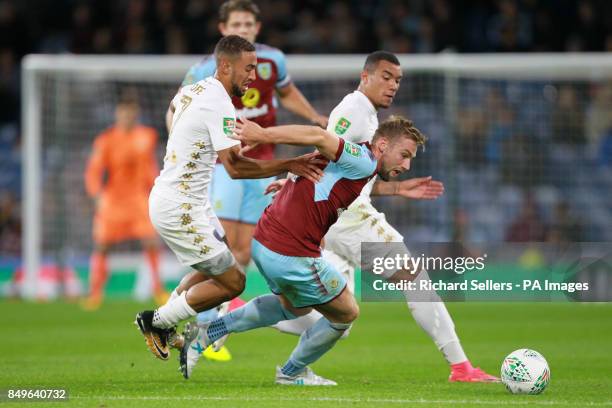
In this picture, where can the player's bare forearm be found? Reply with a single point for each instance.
(252, 134)
(293, 100)
(384, 188)
(241, 167)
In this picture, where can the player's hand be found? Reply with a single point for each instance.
(249, 133)
(307, 166)
(275, 186)
(320, 120)
(420, 188)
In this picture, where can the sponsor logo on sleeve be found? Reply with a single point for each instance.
(342, 126)
(228, 126)
(352, 149)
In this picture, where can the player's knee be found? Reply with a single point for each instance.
(236, 286)
(349, 315)
(243, 255)
(352, 314)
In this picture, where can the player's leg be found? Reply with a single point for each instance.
(226, 196)
(253, 204)
(98, 276)
(327, 292)
(193, 233)
(226, 281)
(299, 325)
(338, 316)
(103, 234)
(249, 195)
(366, 224)
(259, 312)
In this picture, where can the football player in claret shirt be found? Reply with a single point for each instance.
(287, 242)
(355, 119)
(125, 153)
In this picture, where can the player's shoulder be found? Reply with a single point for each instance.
(150, 131)
(268, 52)
(355, 102)
(207, 94)
(106, 134)
(200, 70)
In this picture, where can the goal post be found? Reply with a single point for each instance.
(67, 100)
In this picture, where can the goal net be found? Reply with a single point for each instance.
(522, 143)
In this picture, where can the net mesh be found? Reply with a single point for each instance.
(521, 159)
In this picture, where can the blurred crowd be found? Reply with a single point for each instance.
(577, 117)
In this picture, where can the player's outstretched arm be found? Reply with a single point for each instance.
(239, 167)
(420, 188)
(252, 134)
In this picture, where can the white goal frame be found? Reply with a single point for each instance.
(301, 67)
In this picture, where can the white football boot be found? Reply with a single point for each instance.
(306, 377)
(196, 341)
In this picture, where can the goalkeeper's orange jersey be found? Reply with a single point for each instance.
(120, 172)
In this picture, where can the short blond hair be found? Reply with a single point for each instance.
(397, 126)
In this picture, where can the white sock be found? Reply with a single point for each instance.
(431, 314)
(299, 325)
(173, 312)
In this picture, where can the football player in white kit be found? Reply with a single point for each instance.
(180, 211)
(352, 119)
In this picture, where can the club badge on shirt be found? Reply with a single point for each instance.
(264, 70)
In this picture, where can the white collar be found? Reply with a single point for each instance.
(218, 83)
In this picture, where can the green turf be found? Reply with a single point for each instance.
(387, 361)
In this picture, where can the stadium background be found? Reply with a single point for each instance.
(523, 160)
(533, 166)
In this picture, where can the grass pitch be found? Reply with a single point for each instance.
(101, 359)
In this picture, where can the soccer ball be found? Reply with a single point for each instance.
(525, 371)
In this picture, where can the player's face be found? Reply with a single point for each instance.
(396, 158)
(126, 115)
(243, 73)
(381, 85)
(242, 23)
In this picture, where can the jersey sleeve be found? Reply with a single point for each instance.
(283, 78)
(220, 123)
(199, 71)
(347, 125)
(356, 161)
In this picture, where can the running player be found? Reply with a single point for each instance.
(203, 119)
(125, 154)
(286, 246)
(355, 119)
(240, 203)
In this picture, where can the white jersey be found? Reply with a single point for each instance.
(203, 120)
(355, 119)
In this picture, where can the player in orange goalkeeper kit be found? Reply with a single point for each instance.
(124, 156)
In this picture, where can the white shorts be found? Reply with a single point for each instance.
(361, 222)
(192, 231)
